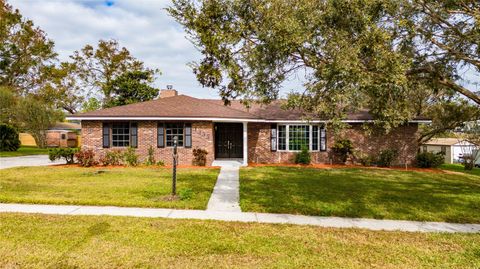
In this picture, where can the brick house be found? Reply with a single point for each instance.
(259, 134)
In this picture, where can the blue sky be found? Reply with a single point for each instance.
(142, 26)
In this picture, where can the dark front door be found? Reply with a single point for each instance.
(228, 140)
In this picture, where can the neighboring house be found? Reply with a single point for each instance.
(62, 134)
(453, 148)
(260, 134)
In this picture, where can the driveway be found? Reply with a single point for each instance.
(32, 160)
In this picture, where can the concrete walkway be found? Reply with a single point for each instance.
(226, 195)
(31, 160)
(370, 224)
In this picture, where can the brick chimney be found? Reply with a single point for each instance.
(169, 92)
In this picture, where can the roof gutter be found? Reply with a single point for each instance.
(220, 119)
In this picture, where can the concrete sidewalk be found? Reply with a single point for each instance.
(226, 193)
(335, 222)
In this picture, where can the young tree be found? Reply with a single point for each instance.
(36, 117)
(8, 103)
(131, 87)
(24, 51)
(98, 67)
(350, 54)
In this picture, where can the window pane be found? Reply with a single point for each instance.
(121, 134)
(282, 137)
(298, 137)
(172, 130)
(323, 139)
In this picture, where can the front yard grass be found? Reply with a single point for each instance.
(459, 168)
(24, 151)
(140, 187)
(46, 241)
(357, 192)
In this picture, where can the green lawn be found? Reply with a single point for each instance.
(143, 187)
(459, 168)
(43, 241)
(24, 151)
(356, 192)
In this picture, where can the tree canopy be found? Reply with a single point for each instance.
(131, 87)
(386, 55)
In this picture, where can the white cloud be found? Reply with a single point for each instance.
(143, 27)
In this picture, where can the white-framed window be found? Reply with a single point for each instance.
(293, 137)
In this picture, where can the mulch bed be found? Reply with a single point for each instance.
(336, 166)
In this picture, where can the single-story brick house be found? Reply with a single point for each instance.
(260, 134)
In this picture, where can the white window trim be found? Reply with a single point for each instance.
(287, 137)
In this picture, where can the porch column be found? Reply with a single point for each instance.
(245, 144)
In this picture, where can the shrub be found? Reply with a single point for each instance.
(161, 163)
(65, 153)
(365, 159)
(303, 157)
(185, 194)
(9, 140)
(342, 149)
(386, 157)
(151, 157)
(113, 157)
(86, 158)
(130, 157)
(199, 157)
(430, 159)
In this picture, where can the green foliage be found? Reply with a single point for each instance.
(161, 163)
(65, 153)
(130, 157)
(151, 157)
(98, 67)
(9, 140)
(354, 58)
(131, 87)
(341, 149)
(25, 51)
(199, 157)
(36, 117)
(8, 104)
(387, 157)
(91, 104)
(112, 157)
(429, 159)
(185, 194)
(303, 157)
(365, 159)
(86, 158)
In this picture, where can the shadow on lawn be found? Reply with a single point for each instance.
(97, 229)
(361, 193)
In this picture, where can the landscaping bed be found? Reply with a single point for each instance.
(45, 241)
(122, 186)
(360, 192)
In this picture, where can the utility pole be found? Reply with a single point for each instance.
(174, 174)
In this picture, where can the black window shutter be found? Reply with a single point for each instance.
(133, 135)
(273, 137)
(160, 135)
(106, 135)
(188, 135)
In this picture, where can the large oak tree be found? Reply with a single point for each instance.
(396, 58)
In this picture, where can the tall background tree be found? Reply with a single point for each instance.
(397, 58)
(36, 90)
(98, 67)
